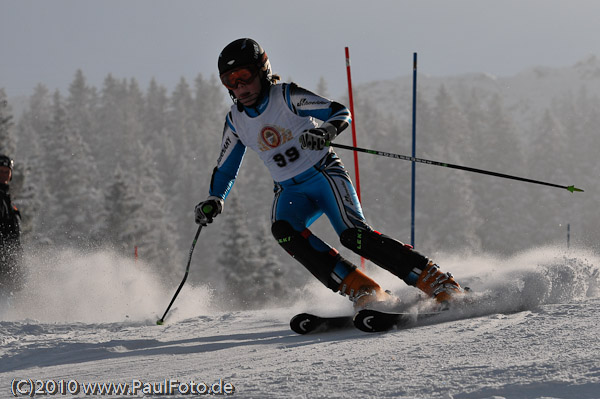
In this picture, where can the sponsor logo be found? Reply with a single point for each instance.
(284, 240)
(271, 137)
(347, 196)
(224, 150)
(304, 103)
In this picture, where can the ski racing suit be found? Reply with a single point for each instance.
(308, 184)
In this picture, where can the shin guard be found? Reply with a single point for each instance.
(392, 255)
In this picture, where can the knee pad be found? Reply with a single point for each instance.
(289, 238)
(282, 231)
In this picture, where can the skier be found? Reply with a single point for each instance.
(10, 232)
(289, 128)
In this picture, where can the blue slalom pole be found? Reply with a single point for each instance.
(414, 150)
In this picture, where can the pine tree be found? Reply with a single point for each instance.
(500, 201)
(79, 106)
(33, 122)
(551, 153)
(272, 282)
(584, 169)
(72, 213)
(380, 177)
(108, 141)
(237, 259)
(50, 227)
(122, 207)
(134, 111)
(157, 239)
(32, 130)
(181, 122)
(448, 191)
(156, 108)
(7, 141)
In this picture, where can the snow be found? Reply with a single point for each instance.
(90, 317)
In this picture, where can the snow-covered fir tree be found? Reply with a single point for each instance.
(71, 181)
(121, 228)
(238, 257)
(7, 141)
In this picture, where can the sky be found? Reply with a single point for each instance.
(48, 41)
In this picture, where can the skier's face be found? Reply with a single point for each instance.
(248, 93)
(5, 174)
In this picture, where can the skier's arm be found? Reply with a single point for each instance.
(335, 116)
(223, 176)
(228, 164)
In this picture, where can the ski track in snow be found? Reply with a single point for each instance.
(531, 333)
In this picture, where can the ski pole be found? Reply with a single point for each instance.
(449, 165)
(187, 270)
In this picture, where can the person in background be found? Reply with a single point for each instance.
(289, 128)
(10, 233)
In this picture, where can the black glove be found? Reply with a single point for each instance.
(207, 210)
(316, 138)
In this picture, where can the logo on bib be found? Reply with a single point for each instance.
(272, 137)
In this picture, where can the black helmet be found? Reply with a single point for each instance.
(244, 52)
(6, 161)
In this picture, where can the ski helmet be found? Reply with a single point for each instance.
(244, 52)
(6, 161)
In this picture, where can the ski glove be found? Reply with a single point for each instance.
(317, 138)
(207, 210)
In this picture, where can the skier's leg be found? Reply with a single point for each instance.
(292, 212)
(327, 265)
(392, 255)
(345, 213)
(403, 261)
(291, 215)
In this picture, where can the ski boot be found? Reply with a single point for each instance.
(440, 286)
(363, 291)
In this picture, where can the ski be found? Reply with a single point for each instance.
(370, 320)
(305, 323)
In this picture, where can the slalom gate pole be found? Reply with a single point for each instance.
(449, 165)
(353, 125)
(414, 153)
(187, 270)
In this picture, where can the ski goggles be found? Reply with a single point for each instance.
(246, 74)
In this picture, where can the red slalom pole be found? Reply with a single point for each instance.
(356, 173)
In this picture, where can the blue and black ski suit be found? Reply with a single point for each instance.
(308, 184)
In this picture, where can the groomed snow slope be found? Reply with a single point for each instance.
(91, 318)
